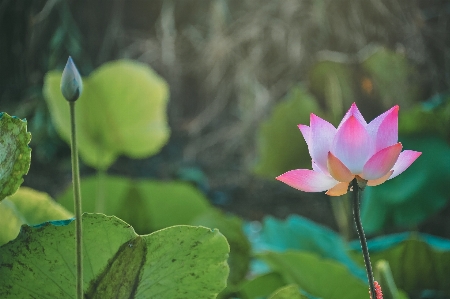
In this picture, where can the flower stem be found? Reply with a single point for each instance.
(77, 203)
(357, 191)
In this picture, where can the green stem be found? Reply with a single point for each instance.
(357, 191)
(77, 203)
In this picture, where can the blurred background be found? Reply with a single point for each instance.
(242, 75)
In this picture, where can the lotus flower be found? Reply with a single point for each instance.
(369, 152)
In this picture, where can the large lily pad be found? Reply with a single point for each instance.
(180, 262)
(150, 205)
(27, 206)
(122, 111)
(15, 155)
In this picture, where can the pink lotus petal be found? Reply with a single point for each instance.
(322, 133)
(315, 167)
(307, 180)
(384, 129)
(405, 159)
(352, 145)
(380, 163)
(338, 170)
(353, 111)
(306, 132)
(381, 180)
(338, 190)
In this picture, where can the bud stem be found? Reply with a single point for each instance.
(357, 191)
(77, 203)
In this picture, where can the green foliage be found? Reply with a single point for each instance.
(152, 205)
(15, 155)
(287, 292)
(417, 266)
(431, 117)
(177, 262)
(383, 274)
(261, 286)
(415, 194)
(30, 207)
(281, 147)
(334, 82)
(122, 111)
(319, 277)
(394, 78)
(231, 228)
(147, 205)
(304, 235)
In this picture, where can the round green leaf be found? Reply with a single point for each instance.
(122, 111)
(180, 262)
(15, 155)
(27, 206)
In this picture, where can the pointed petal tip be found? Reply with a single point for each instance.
(405, 159)
(307, 180)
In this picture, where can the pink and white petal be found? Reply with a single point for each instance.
(338, 190)
(384, 129)
(381, 180)
(321, 137)
(338, 170)
(355, 112)
(306, 132)
(380, 163)
(352, 145)
(307, 180)
(315, 167)
(405, 159)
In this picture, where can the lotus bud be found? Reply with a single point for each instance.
(71, 83)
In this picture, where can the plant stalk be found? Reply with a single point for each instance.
(357, 191)
(77, 203)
